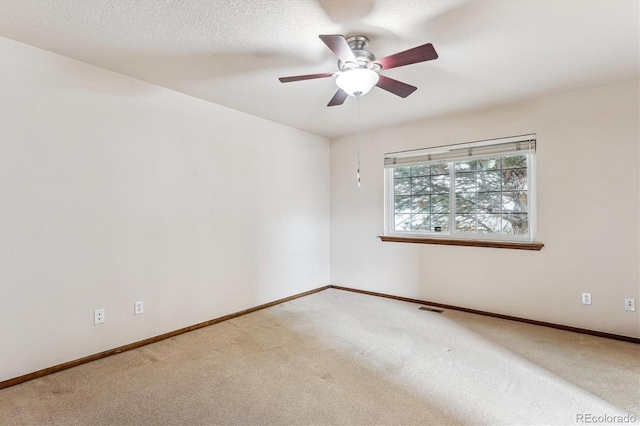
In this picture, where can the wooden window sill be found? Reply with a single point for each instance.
(470, 243)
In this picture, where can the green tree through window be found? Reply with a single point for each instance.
(421, 195)
(490, 196)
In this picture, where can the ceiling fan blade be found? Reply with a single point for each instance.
(426, 52)
(339, 46)
(338, 98)
(304, 77)
(394, 86)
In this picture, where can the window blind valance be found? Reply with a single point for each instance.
(520, 144)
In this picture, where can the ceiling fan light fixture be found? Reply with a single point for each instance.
(358, 81)
(359, 68)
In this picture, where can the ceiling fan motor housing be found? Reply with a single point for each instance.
(358, 45)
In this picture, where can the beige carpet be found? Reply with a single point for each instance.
(337, 357)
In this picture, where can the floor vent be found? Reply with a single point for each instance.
(424, 308)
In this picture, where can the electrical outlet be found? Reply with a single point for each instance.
(138, 308)
(98, 316)
(316, 269)
(586, 298)
(629, 305)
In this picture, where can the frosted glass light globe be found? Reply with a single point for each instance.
(358, 81)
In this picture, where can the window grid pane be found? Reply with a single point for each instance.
(490, 196)
(421, 197)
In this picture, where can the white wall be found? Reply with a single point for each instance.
(114, 190)
(588, 215)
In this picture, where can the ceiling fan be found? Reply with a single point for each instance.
(359, 68)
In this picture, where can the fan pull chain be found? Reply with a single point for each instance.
(358, 167)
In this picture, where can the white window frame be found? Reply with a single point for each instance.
(441, 152)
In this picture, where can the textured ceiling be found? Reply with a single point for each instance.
(231, 52)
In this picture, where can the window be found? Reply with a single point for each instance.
(482, 190)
